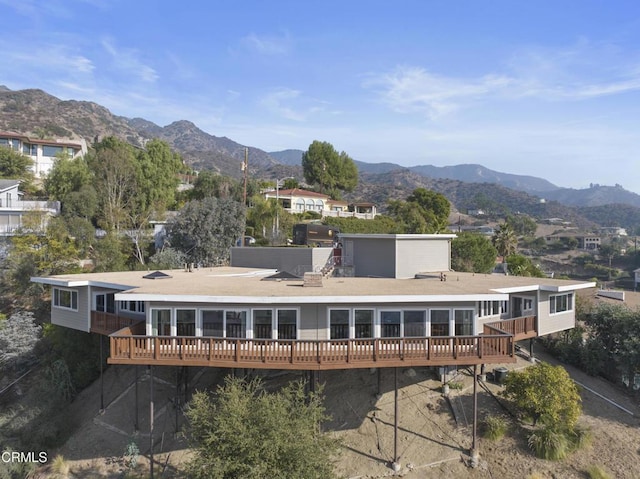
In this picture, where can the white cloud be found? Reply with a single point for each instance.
(580, 72)
(290, 104)
(267, 45)
(127, 60)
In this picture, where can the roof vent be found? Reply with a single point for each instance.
(157, 275)
(313, 279)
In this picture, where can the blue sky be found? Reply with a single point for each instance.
(543, 88)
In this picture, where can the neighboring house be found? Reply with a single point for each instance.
(585, 241)
(42, 152)
(402, 307)
(13, 209)
(298, 200)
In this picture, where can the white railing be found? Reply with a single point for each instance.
(337, 214)
(24, 205)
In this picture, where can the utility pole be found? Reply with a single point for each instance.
(245, 168)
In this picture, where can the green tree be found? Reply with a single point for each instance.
(244, 432)
(545, 393)
(424, 211)
(157, 176)
(472, 252)
(213, 185)
(615, 330)
(205, 230)
(115, 179)
(505, 240)
(14, 164)
(522, 225)
(67, 176)
(519, 265)
(333, 172)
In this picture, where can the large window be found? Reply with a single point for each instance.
(363, 319)
(186, 322)
(236, 324)
(339, 324)
(560, 303)
(51, 150)
(65, 298)
(492, 308)
(414, 323)
(390, 324)
(213, 323)
(463, 322)
(263, 323)
(287, 324)
(161, 322)
(440, 322)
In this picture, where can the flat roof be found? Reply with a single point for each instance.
(245, 285)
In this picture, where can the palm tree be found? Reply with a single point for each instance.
(505, 240)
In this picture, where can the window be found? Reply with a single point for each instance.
(319, 205)
(105, 303)
(51, 150)
(300, 204)
(440, 322)
(287, 324)
(414, 323)
(236, 324)
(65, 299)
(390, 324)
(310, 205)
(161, 322)
(339, 324)
(561, 303)
(213, 323)
(492, 308)
(186, 322)
(363, 319)
(132, 306)
(463, 322)
(262, 324)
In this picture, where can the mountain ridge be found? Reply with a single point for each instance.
(36, 113)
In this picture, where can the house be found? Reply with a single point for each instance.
(387, 314)
(585, 241)
(42, 152)
(297, 200)
(390, 312)
(13, 209)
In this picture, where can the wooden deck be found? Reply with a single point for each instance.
(310, 355)
(521, 328)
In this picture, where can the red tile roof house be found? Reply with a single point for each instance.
(401, 306)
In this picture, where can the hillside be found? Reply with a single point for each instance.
(36, 113)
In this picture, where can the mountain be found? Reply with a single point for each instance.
(36, 113)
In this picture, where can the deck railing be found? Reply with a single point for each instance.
(108, 323)
(521, 328)
(311, 354)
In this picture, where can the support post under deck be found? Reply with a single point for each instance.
(395, 465)
(474, 446)
(151, 422)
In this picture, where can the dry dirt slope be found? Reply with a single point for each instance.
(433, 439)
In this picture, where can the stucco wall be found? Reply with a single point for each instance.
(421, 256)
(293, 260)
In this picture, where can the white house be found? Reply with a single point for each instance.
(42, 152)
(297, 200)
(13, 208)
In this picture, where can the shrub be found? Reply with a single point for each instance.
(60, 467)
(596, 472)
(494, 427)
(549, 443)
